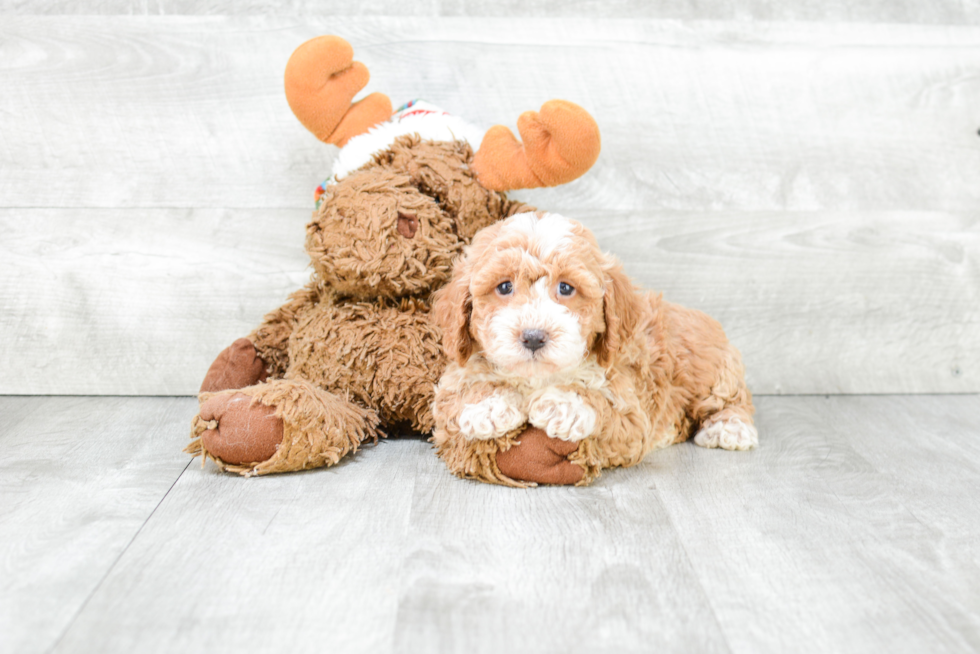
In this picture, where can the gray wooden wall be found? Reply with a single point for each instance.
(807, 172)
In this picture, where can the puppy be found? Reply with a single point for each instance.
(560, 367)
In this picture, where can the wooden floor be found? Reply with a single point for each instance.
(853, 528)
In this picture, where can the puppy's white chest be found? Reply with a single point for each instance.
(589, 375)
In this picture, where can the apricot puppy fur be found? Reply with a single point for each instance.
(543, 330)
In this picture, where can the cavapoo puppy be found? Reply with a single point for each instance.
(560, 367)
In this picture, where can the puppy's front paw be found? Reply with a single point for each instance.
(731, 434)
(562, 414)
(492, 417)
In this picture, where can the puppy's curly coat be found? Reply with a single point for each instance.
(544, 329)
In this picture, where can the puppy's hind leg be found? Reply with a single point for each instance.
(724, 417)
(727, 431)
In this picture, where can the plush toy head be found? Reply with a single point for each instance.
(393, 227)
(407, 190)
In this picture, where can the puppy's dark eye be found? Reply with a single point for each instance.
(505, 288)
(565, 289)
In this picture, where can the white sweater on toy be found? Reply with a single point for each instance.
(417, 117)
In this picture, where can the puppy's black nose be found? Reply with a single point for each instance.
(533, 339)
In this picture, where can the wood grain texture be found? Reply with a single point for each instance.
(851, 529)
(820, 302)
(137, 301)
(140, 301)
(587, 570)
(890, 11)
(78, 478)
(189, 111)
(811, 185)
(305, 562)
(840, 533)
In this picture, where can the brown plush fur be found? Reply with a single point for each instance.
(354, 355)
(319, 428)
(626, 373)
(354, 240)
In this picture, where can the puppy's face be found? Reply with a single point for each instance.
(534, 294)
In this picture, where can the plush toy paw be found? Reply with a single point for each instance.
(278, 426)
(562, 414)
(731, 434)
(537, 458)
(237, 366)
(492, 417)
(240, 431)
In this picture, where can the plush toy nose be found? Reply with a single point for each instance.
(408, 224)
(533, 339)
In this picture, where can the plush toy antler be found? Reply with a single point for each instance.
(561, 142)
(321, 80)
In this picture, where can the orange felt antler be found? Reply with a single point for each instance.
(561, 142)
(321, 80)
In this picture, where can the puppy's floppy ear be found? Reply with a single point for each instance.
(622, 309)
(451, 310)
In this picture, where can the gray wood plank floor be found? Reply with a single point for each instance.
(78, 479)
(853, 528)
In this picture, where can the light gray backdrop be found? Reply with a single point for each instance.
(814, 186)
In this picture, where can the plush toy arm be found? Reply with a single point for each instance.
(536, 457)
(263, 354)
(321, 80)
(237, 366)
(561, 142)
(271, 337)
(562, 420)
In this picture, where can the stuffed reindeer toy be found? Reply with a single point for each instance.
(354, 355)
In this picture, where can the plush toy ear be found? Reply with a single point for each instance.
(451, 308)
(622, 309)
(321, 80)
(561, 142)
